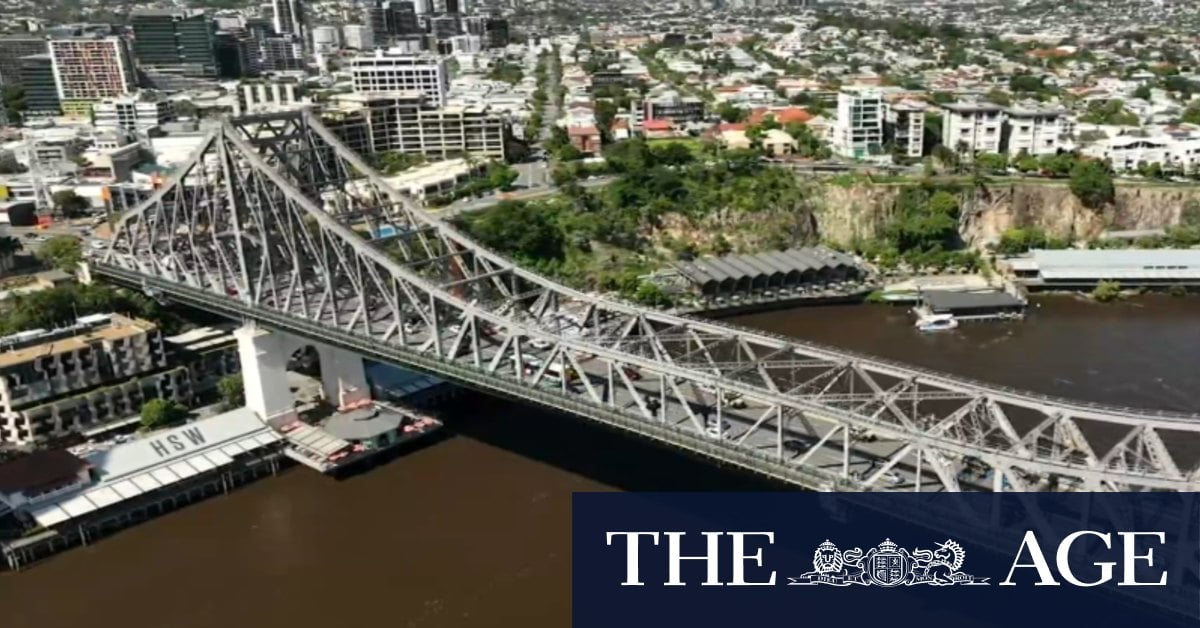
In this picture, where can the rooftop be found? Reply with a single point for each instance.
(118, 328)
(39, 471)
(362, 424)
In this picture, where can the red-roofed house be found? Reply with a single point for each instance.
(782, 116)
(658, 128)
(585, 138)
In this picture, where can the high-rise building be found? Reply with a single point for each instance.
(423, 7)
(89, 69)
(386, 71)
(906, 121)
(407, 122)
(358, 37)
(496, 33)
(237, 55)
(12, 49)
(453, 7)
(175, 42)
(287, 18)
(325, 39)
(41, 89)
(281, 54)
(858, 132)
(444, 26)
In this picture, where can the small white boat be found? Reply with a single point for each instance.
(937, 322)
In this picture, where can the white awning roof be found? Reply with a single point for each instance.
(160, 460)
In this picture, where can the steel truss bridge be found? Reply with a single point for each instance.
(266, 222)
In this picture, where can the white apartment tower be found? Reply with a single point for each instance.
(972, 127)
(1034, 129)
(907, 121)
(858, 132)
(390, 71)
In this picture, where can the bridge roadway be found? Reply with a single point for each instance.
(239, 231)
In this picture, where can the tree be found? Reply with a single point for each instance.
(68, 203)
(13, 97)
(999, 96)
(1106, 291)
(232, 390)
(527, 230)
(1092, 184)
(501, 176)
(1143, 92)
(64, 252)
(730, 112)
(158, 413)
(992, 162)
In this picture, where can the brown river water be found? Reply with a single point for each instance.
(474, 530)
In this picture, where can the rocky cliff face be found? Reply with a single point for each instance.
(861, 210)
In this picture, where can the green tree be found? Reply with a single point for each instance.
(527, 230)
(1142, 92)
(501, 176)
(232, 389)
(992, 162)
(999, 96)
(730, 112)
(64, 252)
(68, 203)
(13, 101)
(158, 413)
(1106, 291)
(1092, 184)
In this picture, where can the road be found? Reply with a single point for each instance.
(32, 238)
(468, 205)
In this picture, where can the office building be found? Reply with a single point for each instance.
(423, 7)
(444, 26)
(281, 54)
(12, 50)
(269, 96)
(452, 7)
(287, 18)
(237, 54)
(89, 69)
(408, 122)
(325, 39)
(496, 33)
(41, 88)
(102, 368)
(1032, 128)
(358, 37)
(175, 42)
(137, 114)
(387, 19)
(387, 71)
(858, 132)
(971, 128)
(906, 126)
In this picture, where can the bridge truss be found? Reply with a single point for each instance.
(272, 220)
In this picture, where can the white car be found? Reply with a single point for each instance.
(716, 430)
(540, 344)
(99, 244)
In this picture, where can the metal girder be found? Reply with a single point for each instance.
(263, 221)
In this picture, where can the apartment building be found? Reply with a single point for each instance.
(858, 132)
(972, 127)
(132, 113)
(906, 122)
(1033, 128)
(1127, 152)
(408, 122)
(392, 70)
(358, 37)
(90, 69)
(673, 107)
(102, 368)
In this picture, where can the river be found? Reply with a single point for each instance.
(474, 530)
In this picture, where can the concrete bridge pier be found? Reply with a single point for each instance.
(343, 377)
(264, 358)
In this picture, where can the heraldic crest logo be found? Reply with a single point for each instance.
(888, 565)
